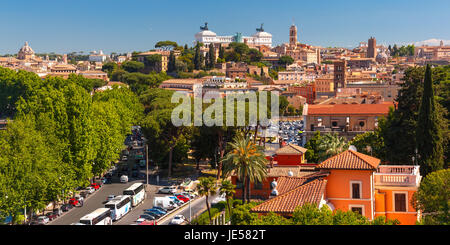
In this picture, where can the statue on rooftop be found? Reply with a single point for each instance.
(204, 28)
(261, 29)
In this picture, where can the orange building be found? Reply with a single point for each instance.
(352, 181)
(290, 155)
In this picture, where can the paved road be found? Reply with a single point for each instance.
(197, 207)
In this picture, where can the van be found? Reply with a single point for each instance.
(164, 202)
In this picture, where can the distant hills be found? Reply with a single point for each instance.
(431, 42)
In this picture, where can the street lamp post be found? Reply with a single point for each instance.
(146, 163)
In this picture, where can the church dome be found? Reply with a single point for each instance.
(26, 49)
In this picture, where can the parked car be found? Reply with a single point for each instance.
(182, 198)
(77, 223)
(176, 200)
(96, 186)
(147, 217)
(66, 207)
(160, 208)
(123, 179)
(52, 215)
(190, 195)
(57, 211)
(177, 220)
(140, 220)
(154, 214)
(74, 201)
(90, 189)
(43, 220)
(167, 190)
(110, 197)
(156, 211)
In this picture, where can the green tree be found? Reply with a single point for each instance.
(247, 161)
(132, 66)
(312, 154)
(108, 67)
(433, 197)
(207, 187)
(166, 45)
(228, 189)
(429, 136)
(331, 145)
(285, 60)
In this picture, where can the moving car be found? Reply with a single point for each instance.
(110, 197)
(123, 179)
(177, 220)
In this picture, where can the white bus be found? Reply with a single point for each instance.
(136, 192)
(101, 216)
(119, 206)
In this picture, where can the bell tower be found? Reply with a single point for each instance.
(293, 35)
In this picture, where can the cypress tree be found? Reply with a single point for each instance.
(197, 57)
(429, 135)
(171, 64)
(221, 51)
(211, 56)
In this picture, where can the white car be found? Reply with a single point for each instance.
(167, 190)
(178, 220)
(90, 189)
(43, 220)
(110, 197)
(123, 179)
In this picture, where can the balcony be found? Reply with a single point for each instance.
(397, 175)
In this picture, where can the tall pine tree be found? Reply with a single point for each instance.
(429, 135)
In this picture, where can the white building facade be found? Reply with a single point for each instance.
(207, 37)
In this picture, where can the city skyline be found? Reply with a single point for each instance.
(123, 27)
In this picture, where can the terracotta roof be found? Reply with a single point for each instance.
(310, 192)
(350, 160)
(291, 149)
(349, 109)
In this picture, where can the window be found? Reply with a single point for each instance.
(357, 210)
(362, 123)
(334, 123)
(400, 202)
(356, 189)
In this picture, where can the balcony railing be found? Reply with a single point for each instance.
(397, 175)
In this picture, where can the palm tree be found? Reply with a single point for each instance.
(247, 161)
(228, 189)
(207, 187)
(331, 145)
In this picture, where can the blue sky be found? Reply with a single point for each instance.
(136, 25)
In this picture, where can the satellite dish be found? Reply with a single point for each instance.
(352, 148)
(290, 173)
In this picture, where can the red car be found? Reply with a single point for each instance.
(96, 186)
(182, 198)
(74, 201)
(153, 222)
